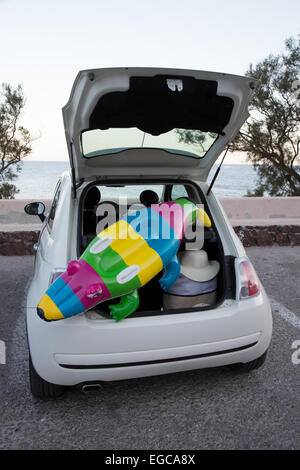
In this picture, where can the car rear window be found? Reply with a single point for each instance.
(192, 143)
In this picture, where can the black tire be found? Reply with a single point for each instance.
(248, 366)
(40, 388)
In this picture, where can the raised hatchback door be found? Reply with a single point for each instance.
(152, 122)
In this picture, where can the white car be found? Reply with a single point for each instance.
(151, 135)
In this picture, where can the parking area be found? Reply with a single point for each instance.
(207, 409)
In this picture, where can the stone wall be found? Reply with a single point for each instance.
(22, 242)
(257, 235)
(18, 243)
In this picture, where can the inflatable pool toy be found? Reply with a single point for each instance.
(121, 259)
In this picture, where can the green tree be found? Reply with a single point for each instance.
(271, 136)
(15, 140)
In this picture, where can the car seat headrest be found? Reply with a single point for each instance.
(149, 197)
(93, 197)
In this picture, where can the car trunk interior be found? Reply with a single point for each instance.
(151, 296)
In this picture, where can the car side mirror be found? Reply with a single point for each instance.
(36, 208)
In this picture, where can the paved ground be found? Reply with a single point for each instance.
(209, 409)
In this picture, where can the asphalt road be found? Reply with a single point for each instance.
(208, 409)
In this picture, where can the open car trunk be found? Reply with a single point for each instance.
(93, 211)
(150, 125)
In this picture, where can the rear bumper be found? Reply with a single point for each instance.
(84, 348)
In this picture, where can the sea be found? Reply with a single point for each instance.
(37, 180)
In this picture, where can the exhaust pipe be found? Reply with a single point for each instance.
(91, 388)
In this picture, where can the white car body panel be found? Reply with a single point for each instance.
(87, 341)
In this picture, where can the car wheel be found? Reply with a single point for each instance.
(40, 388)
(248, 366)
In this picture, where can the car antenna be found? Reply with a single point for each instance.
(217, 172)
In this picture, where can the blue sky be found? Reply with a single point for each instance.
(43, 44)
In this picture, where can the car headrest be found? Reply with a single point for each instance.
(93, 197)
(149, 197)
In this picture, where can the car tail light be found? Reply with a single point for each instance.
(55, 274)
(247, 281)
